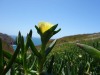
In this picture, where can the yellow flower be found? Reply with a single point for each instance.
(44, 26)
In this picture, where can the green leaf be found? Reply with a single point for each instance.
(30, 33)
(49, 71)
(55, 32)
(33, 48)
(12, 60)
(91, 50)
(61, 67)
(53, 28)
(19, 38)
(8, 56)
(22, 44)
(1, 57)
(33, 64)
(38, 30)
(27, 45)
(48, 50)
(23, 52)
(50, 31)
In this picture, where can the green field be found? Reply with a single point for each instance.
(66, 58)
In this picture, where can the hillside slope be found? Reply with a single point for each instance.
(78, 38)
(7, 41)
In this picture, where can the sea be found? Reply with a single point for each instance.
(36, 42)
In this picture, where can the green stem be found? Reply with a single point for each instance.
(40, 64)
(43, 50)
(41, 60)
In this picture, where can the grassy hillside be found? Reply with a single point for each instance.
(74, 60)
(79, 37)
(64, 42)
(66, 58)
(71, 59)
(63, 45)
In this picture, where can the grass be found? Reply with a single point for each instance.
(75, 61)
(66, 58)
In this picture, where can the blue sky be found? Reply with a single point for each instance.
(72, 16)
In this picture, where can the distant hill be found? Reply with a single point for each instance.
(68, 42)
(73, 38)
(79, 37)
(76, 38)
(7, 41)
(6, 38)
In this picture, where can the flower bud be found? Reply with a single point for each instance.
(44, 26)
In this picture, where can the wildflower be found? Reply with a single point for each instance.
(80, 55)
(44, 26)
(46, 31)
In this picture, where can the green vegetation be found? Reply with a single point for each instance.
(57, 58)
(76, 61)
